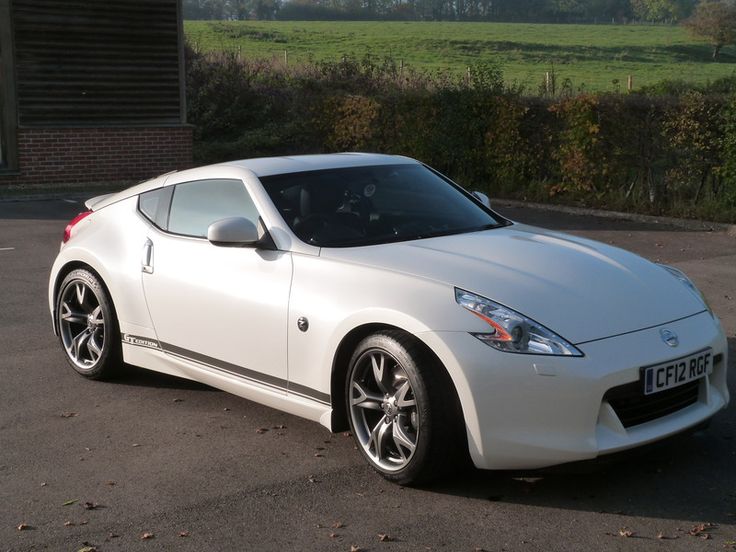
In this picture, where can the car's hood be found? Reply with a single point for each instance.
(581, 289)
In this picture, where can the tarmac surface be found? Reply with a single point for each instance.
(103, 465)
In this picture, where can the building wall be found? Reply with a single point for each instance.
(95, 62)
(93, 91)
(77, 155)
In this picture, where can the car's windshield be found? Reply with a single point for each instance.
(375, 204)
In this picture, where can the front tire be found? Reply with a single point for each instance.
(403, 410)
(88, 328)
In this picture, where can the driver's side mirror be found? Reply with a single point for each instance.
(233, 232)
(483, 198)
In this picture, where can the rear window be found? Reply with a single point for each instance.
(154, 205)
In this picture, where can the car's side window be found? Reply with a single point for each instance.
(154, 205)
(196, 205)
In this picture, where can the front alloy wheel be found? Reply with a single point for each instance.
(403, 409)
(384, 410)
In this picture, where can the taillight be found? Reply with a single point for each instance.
(72, 223)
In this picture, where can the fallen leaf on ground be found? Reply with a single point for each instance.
(178, 400)
(136, 444)
(183, 533)
(280, 426)
(70, 502)
(113, 536)
(261, 430)
(662, 536)
(383, 537)
(226, 409)
(68, 414)
(318, 455)
(90, 506)
(626, 532)
(88, 549)
(338, 525)
(146, 536)
(334, 535)
(700, 529)
(23, 527)
(111, 483)
(354, 548)
(68, 524)
(44, 484)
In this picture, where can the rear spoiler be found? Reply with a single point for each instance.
(95, 201)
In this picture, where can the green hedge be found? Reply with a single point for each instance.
(665, 154)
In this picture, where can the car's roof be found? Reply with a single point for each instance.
(264, 166)
(269, 166)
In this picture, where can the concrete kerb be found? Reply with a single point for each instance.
(687, 224)
(76, 194)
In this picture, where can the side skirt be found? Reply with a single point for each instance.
(151, 356)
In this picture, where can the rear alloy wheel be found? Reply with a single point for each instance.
(87, 326)
(402, 411)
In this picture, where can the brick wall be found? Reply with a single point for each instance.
(99, 155)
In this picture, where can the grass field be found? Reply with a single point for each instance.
(593, 57)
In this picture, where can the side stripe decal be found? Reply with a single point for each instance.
(233, 369)
(141, 341)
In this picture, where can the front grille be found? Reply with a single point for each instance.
(633, 407)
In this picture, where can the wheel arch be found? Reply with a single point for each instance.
(63, 272)
(340, 366)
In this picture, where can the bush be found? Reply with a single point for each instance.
(673, 152)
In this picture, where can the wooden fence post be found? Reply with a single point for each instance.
(630, 83)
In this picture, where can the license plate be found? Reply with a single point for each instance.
(680, 371)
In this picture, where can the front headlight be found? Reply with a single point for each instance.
(512, 332)
(680, 275)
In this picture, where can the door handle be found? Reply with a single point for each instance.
(147, 257)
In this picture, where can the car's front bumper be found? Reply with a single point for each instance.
(525, 411)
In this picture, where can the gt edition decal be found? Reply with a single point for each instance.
(141, 341)
(232, 369)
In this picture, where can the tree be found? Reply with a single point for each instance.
(714, 21)
(661, 10)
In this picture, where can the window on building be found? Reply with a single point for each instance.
(7, 93)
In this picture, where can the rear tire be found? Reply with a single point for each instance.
(88, 328)
(403, 410)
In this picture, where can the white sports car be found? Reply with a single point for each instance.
(370, 292)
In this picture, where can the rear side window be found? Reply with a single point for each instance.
(154, 205)
(196, 205)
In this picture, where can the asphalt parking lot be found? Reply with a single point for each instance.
(191, 468)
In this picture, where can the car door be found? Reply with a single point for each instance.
(224, 308)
